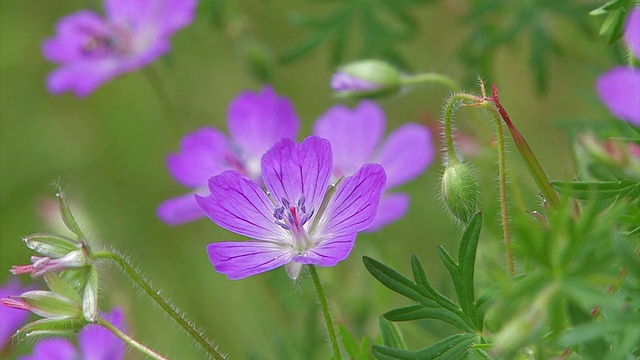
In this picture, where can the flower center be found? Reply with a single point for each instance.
(293, 217)
(99, 44)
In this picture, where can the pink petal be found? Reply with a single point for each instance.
(239, 205)
(180, 210)
(353, 206)
(391, 208)
(354, 135)
(406, 153)
(330, 252)
(239, 260)
(290, 171)
(632, 31)
(619, 90)
(203, 153)
(259, 120)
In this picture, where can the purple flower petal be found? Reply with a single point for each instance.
(391, 208)
(53, 349)
(203, 153)
(329, 253)
(290, 171)
(11, 319)
(353, 206)
(632, 31)
(257, 121)
(179, 210)
(239, 260)
(98, 343)
(237, 204)
(619, 90)
(73, 32)
(406, 153)
(354, 134)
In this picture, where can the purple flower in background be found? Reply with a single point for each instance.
(256, 122)
(289, 226)
(356, 136)
(619, 88)
(94, 341)
(91, 50)
(11, 319)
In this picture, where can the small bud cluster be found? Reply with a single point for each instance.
(67, 268)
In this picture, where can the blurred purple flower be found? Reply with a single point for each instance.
(356, 136)
(92, 50)
(11, 319)
(94, 341)
(288, 225)
(256, 122)
(619, 88)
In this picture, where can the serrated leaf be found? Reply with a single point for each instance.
(419, 312)
(391, 334)
(394, 280)
(449, 348)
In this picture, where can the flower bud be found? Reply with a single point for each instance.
(51, 327)
(44, 303)
(366, 78)
(460, 191)
(42, 265)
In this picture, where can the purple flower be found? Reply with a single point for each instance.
(292, 224)
(91, 50)
(256, 121)
(11, 319)
(619, 88)
(94, 341)
(356, 136)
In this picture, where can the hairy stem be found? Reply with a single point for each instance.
(164, 304)
(327, 314)
(129, 340)
(448, 114)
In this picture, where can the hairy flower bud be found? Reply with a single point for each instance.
(366, 78)
(46, 304)
(460, 191)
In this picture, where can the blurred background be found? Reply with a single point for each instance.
(108, 150)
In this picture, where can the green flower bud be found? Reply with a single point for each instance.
(46, 304)
(366, 78)
(51, 327)
(460, 191)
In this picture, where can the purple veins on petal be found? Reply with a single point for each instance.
(284, 226)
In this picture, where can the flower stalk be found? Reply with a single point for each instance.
(129, 340)
(166, 306)
(325, 311)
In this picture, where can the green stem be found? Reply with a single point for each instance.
(160, 89)
(129, 340)
(327, 314)
(503, 188)
(430, 77)
(448, 115)
(154, 295)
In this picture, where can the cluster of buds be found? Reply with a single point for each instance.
(67, 268)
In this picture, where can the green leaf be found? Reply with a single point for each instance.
(456, 277)
(61, 287)
(394, 280)
(599, 190)
(51, 327)
(349, 342)
(467, 259)
(449, 348)
(52, 246)
(391, 334)
(431, 293)
(67, 215)
(418, 312)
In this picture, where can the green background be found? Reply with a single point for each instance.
(108, 151)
